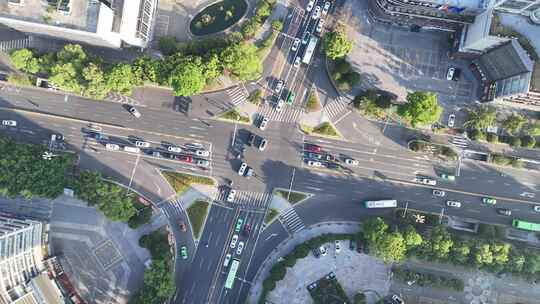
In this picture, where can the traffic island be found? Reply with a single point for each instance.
(197, 214)
(181, 182)
(313, 103)
(234, 116)
(292, 197)
(270, 216)
(325, 129)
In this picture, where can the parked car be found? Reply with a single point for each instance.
(326, 8)
(251, 139)
(351, 162)
(183, 252)
(337, 245)
(330, 157)
(263, 124)
(450, 73)
(202, 163)
(202, 153)
(142, 144)
(309, 6)
(397, 300)
(295, 44)
(315, 155)
(451, 120)
(503, 211)
(234, 240)
(240, 248)
(489, 201)
(314, 163)
(453, 204)
(9, 123)
(332, 165)
(316, 13)
(322, 250)
(242, 169)
(134, 111)
(112, 147)
(184, 158)
(194, 146)
(313, 148)
(438, 193)
(279, 86)
(174, 149)
(263, 144)
(227, 260)
(230, 197)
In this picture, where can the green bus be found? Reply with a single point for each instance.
(232, 274)
(526, 225)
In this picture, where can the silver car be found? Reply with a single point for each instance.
(142, 144)
(453, 204)
(263, 123)
(438, 193)
(134, 112)
(240, 248)
(234, 240)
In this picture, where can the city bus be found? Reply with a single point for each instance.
(381, 204)
(310, 49)
(526, 225)
(232, 274)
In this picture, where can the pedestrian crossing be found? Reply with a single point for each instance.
(291, 221)
(459, 141)
(289, 114)
(173, 208)
(336, 109)
(117, 97)
(237, 94)
(247, 199)
(15, 44)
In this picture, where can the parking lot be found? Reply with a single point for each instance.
(395, 59)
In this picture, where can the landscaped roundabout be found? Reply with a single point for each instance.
(218, 17)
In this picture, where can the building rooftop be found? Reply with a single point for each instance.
(506, 61)
(474, 4)
(73, 14)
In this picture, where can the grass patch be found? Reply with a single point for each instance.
(270, 215)
(327, 129)
(294, 197)
(234, 116)
(182, 181)
(328, 291)
(313, 104)
(197, 215)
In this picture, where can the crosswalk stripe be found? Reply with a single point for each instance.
(237, 95)
(336, 108)
(288, 114)
(292, 221)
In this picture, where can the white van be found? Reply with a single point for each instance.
(132, 149)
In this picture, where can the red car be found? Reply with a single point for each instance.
(313, 148)
(247, 229)
(185, 158)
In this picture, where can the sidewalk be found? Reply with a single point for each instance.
(288, 245)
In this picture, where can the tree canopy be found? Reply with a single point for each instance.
(514, 123)
(481, 118)
(242, 60)
(336, 44)
(188, 77)
(422, 108)
(23, 59)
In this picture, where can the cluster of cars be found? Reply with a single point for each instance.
(314, 156)
(280, 101)
(317, 13)
(240, 229)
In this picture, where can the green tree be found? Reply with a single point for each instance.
(528, 141)
(147, 68)
(142, 217)
(460, 252)
(421, 108)
(167, 45)
(481, 118)
(412, 237)
(24, 60)
(264, 9)
(301, 251)
(278, 272)
(514, 123)
(269, 284)
(336, 44)
(501, 252)
(516, 261)
(117, 206)
(391, 247)
(438, 244)
(249, 29)
(533, 128)
(67, 77)
(89, 187)
(19, 79)
(96, 86)
(482, 254)
(74, 54)
(532, 263)
(242, 60)
(122, 79)
(188, 77)
(277, 25)
(374, 229)
(46, 61)
(158, 284)
(212, 67)
(360, 298)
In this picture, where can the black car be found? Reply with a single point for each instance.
(249, 172)
(351, 244)
(251, 139)
(332, 165)
(247, 229)
(316, 253)
(457, 72)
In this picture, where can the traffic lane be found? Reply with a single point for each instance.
(196, 278)
(254, 219)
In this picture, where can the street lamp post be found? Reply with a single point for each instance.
(290, 185)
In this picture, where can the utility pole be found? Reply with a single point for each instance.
(406, 207)
(290, 185)
(133, 173)
(441, 216)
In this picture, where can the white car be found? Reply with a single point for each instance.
(337, 244)
(202, 163)
(316, 13)
(322, 250)
(451, 120)
(450, 73)
(142, 144)
(309, 6)
(227, 260)
(230, 197)
(453, 204)
(203, 153)
(234, 240)
(240, 248)
(279, 105)
(242, 169)
(263, 123)
(427, 181)
(174, 149)
(351, 162)
(9, 123)
(320, 26)
(536, 208)
(134, 112)
(194, 146)
(279, 86)
(112, 147)
(314, 163)
(295, 44)
(263, 144)
(296, 62)
(326, 8)
(438, 193)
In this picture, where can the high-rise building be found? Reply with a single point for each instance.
(109, 23)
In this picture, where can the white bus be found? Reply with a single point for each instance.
(310, 49)
(381, 204)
